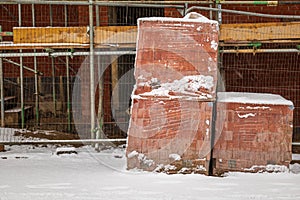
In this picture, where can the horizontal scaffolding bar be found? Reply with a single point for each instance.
(106, 3)
(87, 141)
(242, 12)
(260, 2)
(58, 54)
(260, 51)
(6, 34)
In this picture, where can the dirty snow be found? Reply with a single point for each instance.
(37, 173)
(254, 98)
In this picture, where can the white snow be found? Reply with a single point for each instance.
(269, 168)
(295, 168)
(247, 115)
(253, 98)
(132, 154)
(175, 157)
(296, 156)
(256, 107)
(189, 85)
(41, 175)
(190, 17)
(214, 45)
(207, 122)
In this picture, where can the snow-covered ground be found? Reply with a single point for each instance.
(27, 173)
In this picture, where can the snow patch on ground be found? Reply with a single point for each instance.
(100, 175)
(268, 168)
(295, 168)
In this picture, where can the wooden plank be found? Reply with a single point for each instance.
(115, 36)
(64, 35)
(260, 31)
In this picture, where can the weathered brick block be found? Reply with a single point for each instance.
(180, 130)
(174, 52)
(176, 72)
(253, 129)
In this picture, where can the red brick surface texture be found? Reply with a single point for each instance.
(253, 130)
(176, 75)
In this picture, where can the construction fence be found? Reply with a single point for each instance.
(71, 69)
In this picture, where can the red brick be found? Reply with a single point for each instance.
(259, 140)
(1, 148)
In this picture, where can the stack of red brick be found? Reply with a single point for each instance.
(253, 131)
(171, 121)
(176, 75)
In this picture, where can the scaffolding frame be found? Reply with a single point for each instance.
(182, 6)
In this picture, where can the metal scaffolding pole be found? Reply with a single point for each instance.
(21, 74)
(57, 54)
(100, 86)
(243, 12)
(2, 93)
(68, 78)
(24, 67)
(53, 85)
(68, 94)
(254, 51)
(105, 3)
(92, 69)
(85, 142)
(36, 78)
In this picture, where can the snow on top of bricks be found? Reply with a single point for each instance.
(190, 17)
(253, 98)
(188, 85)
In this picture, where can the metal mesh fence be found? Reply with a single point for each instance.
(245, 72)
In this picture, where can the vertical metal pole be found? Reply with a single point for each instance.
(36, 85)
(219, 17)
(53, 86)
(21, 74)
(186, 5)
(51, 13)
(92, 69)
(212, 141)
(97, 16)
(2, 93)
(210, 12)
(66, 15)
(68, 79)
(100, 86)
(68, 94)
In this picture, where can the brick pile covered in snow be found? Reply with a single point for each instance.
(253, 132)
(176, 76)
(172, 107)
